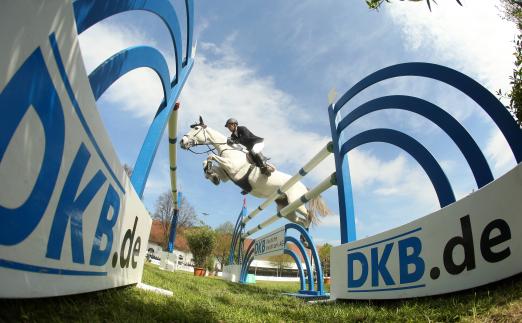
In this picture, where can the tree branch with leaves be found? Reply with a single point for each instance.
(164, 211)
(376, 4)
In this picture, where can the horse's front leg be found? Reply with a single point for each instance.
(213, 172)
(209, 172)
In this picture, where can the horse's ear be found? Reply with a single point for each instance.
(201, 121)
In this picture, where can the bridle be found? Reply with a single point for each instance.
(205, 143)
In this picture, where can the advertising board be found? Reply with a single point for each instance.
(474, 241)
(270, 244)
(70, 220)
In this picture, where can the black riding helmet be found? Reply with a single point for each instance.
(230, 121)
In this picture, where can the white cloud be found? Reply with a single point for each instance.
(138, 92)
(497, 149)
(396, 177)
(222, 85)
(473, 38)
(159, 180)
(330, 221)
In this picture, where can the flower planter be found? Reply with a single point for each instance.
(327, 280)
(199, 271)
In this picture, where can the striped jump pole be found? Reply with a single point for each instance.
(176, 198)
(319, 157)
(323, 186)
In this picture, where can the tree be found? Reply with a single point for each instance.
(280, 262)
(376, 4)
(223, 240)
(201, 242)
(164, 210)
(513, 12)
(324, 257)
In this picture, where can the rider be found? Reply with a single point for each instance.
(254, 144)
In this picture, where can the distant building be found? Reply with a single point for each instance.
(259, 267)
(156, 243)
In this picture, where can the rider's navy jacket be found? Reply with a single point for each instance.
(245, 137)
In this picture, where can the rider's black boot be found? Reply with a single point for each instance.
(260, 163)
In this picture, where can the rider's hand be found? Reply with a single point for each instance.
(209, 158)
(230, 141)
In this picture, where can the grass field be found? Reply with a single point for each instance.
(210, 299)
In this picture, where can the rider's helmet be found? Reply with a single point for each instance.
(230, 121)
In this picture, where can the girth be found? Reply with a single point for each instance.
(243, 181)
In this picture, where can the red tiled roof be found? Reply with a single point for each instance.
(157, 235)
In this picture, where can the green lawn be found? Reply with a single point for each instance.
(211, 299)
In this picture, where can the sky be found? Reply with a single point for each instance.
(271, 65)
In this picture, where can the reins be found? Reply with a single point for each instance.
(206, 143)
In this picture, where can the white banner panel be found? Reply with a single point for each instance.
(271, 244)
(70, 221)
(472, 242)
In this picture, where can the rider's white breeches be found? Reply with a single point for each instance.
(258, 147)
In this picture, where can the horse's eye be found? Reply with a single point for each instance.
(196, 128)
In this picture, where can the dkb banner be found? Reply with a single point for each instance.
(70, 221)
(472, 242)
(270, 244)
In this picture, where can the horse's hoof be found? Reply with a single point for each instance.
(214, 179)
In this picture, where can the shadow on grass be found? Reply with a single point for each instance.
(453, 306)
(126, 304)
(211, 300)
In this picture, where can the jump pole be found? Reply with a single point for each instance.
(319, 157)
(323, 186)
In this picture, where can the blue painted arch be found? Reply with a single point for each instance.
(459, 135)
(125, 61)
(299, 245)
(432, 168)
(485, 99)
(90, 12)
(315, 255)
(249, 257)
(299, 267)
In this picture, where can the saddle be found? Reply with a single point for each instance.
(250, 159)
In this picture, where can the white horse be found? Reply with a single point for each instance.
(233, 164)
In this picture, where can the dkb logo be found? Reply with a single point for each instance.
(374, 262)
(32, 87)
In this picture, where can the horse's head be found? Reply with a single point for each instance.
(196, 135)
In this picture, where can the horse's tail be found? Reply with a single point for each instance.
(316, 208)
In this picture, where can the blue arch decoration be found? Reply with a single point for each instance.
(315, 254)
(416, 150)
(485, 99)
(90, 12)
(236, 237)
(475, 158)
(459, 135)
(299, 268)
(311, 288)
(299, 245)
(125, 61)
